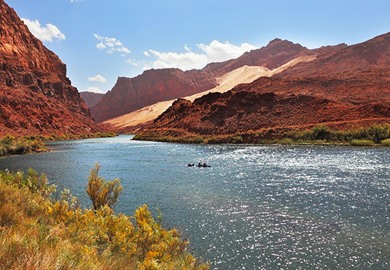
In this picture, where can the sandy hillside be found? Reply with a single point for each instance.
(245, 74)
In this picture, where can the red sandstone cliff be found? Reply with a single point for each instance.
(251, 107)
(36, 97)
(374, 53)
(346, 86)
(277, 53)
(164, 84)
(130, 94)
(91, 98)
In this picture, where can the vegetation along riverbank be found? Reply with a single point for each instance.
(40, 232)
(374, 135)
(10, 145)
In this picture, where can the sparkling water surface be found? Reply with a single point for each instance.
(256, 207)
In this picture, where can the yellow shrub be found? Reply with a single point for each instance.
(37, 232)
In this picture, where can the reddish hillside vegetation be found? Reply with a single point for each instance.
(36, 97)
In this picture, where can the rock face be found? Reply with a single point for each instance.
(91, 98)
(253, 108)
(36, 97)
(164, 84)
(150, 87)
(274, 55)
(333, 61)
(344, 87)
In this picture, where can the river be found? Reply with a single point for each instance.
(256, 207)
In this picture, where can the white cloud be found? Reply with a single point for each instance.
(94, 89)
(111, 45)
(185, 61)
(217, 51)
(134, 62)
(98, 78)
(213, 52)
(44, 33)
(74, 1)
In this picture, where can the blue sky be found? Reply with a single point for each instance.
(100, 40)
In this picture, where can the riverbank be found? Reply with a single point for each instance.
(375, 135)
(39, 232)
(11, 145)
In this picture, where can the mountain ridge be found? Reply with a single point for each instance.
(344, 87)
(126, 96)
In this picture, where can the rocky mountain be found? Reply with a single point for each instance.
(250, 107)
(91, 98)
(333, 61)
(277, 53)
(36, 97)
(344, 87)
(130, 94)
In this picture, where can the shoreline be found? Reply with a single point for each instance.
(372, 136)
(21, 145)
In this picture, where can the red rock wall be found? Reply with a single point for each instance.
(36, 96)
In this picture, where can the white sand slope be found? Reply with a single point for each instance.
(245, 74)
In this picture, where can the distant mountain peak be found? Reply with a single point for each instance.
(283, 44)
(274, 41)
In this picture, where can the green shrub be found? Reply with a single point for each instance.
(321, 132)
(362, 142)
(237, 139)
(10, 145)
(385, 142)
(286, 141)
(377, 133)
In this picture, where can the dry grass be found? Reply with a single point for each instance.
(37, 232)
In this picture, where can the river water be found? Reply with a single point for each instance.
(256, 207)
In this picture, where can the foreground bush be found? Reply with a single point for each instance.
(102, 192)
(37, 232)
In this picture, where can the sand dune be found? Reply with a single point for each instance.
(245, 74)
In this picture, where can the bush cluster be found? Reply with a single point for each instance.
(371, 135)
(39, 232)
(320, 134)
(10, 145)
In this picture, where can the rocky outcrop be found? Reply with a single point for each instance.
(36, 96)
(261, 105)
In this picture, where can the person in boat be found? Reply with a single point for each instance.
(202, 165)
(191, 165)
